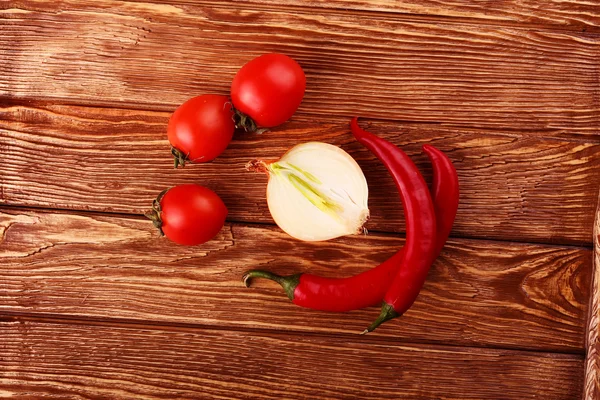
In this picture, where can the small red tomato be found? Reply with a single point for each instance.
(189, 214)
(201, 128)
(269, 89)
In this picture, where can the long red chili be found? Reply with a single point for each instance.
(368, 288)
(420, 246)
(445, 194)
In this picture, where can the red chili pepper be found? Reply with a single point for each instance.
(420, 246)
(368, 288)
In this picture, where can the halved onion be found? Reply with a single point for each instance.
(316, 192)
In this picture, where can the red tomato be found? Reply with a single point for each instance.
(191, 214)
(269, 89)
(202, 127)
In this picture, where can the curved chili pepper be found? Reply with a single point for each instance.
(445, 193)
(368, 288)
(420, 245)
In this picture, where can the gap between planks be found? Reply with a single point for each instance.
(128, 323)
(503, 131)
(91, 213)
(592, 362)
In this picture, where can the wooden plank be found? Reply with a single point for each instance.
(156, 56)
(478, 293)
(571, 14)
(592, 366)
(77, 361)
(513, 187)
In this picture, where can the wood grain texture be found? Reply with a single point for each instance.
(573, 14)
(512, 187)
(53, 361)
(592, 365)
(478, 293)
(146, 55)
(510, 90)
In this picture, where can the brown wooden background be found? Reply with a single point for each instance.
(93, 305)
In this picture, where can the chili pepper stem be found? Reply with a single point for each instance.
(288, 283)
(387, 313)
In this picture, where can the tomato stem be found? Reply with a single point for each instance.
(154, 214)
(180, 157)
(243, 121)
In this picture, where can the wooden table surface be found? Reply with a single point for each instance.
(94, 305)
